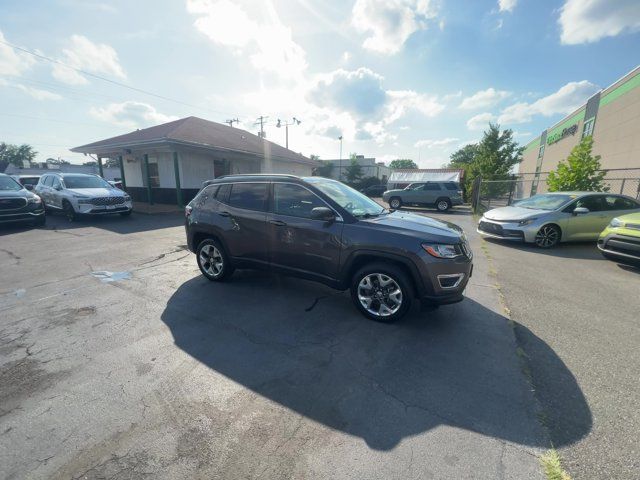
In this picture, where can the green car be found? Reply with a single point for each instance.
(620, 241)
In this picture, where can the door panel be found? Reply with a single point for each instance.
(300, 243)
(245, 230)
(589, 225)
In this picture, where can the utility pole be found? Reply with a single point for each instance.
(340, 170)
(286, 127)
(231, 122)
(261, 119)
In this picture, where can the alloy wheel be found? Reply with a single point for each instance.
(379, 294)
(443, 205)
(211, 260)
(547, 236)
(395, 203)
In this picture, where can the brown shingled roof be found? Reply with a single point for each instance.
(197, 132)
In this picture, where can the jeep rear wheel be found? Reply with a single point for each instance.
(213, 260)
(381, 292)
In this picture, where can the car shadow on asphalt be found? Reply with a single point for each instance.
(305, 347)
(578, 250)
(114, 223)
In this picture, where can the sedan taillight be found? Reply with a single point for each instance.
(187, 210)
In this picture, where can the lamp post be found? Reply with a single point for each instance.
(286, 127)
(340, 167)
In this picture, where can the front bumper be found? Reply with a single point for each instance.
(620, 246)
(89, 209)
(29, 213)
(511, 231)
(444, 280)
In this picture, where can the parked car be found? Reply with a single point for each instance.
(620, 241)
(322, 230)
(550, 218)
(81, 194)
(17, 204)
(441, 195)
(27, 181)
(375, 190)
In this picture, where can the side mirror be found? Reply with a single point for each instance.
(323, 213)
(580, 211)
(28, 186)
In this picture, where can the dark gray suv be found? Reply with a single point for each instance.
(323, 230)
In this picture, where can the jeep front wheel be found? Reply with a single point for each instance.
(381, 292)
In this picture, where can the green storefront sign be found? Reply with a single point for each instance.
(559, 135)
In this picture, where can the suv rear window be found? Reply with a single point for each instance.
(249, 196)
(432, 186)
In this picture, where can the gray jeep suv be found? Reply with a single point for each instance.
(442, 195)
(323, 230)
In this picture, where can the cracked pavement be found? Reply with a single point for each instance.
(167, 375)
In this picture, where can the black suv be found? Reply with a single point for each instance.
(323, 230)
(17, 204)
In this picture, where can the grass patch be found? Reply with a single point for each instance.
(552, 466)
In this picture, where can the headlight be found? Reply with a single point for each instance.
(83, 200)
(127, 198)
(616, 222)
(35, 200)
(79, 196)
(442, 251)
(527, 221)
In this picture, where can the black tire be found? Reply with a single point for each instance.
(69, 212)
(395, 203)
(126, 214)
(548, 236)
(209, 269)
(387, 271)
(443, 204)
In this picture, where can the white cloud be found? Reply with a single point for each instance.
(507, 5)
(585, 21)
(12, 62)
(269, 44)
(83, 54)
(389, 23)
(38, 93)
(480, 121)
(484, 99)
(130, 114)
(564, 101)
(433, 143)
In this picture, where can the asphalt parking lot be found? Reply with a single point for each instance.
(118, 360)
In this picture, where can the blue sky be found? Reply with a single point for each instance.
(397, 78)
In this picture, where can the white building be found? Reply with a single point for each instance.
(369, 167)
(168, 163)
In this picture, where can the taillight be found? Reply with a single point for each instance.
(187, 210)
(460, 192)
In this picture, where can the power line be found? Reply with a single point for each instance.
(99, 77)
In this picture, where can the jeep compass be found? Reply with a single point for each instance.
(323, 230)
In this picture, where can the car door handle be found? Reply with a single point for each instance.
(278, 223)
(224, 214)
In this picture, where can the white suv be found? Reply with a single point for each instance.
(80, 194)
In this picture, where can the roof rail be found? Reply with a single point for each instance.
(257, 175)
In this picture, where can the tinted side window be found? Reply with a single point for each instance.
(294, 200)
(249, 196)
(222, 195)
(47, 181)
(55, 182)
(451, 186)
(619, 203)
(594, 203)
(432, 186)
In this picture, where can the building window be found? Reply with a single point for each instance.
(588, 127)
(154, 176)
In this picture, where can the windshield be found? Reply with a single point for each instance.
(9, 184)
(544, 202)
(85, 182)
(351, 200)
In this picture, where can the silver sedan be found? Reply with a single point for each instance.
(550, 218)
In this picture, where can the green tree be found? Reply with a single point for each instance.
(324, 170)
(402, 163)
(463, 157)
(15, 154)
(353, 173)
(579, 171)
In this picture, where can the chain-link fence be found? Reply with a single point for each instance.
(487, 194)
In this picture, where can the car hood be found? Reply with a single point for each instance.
(630, 217)
(418, 224)
(97, 192)
(512, 213)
